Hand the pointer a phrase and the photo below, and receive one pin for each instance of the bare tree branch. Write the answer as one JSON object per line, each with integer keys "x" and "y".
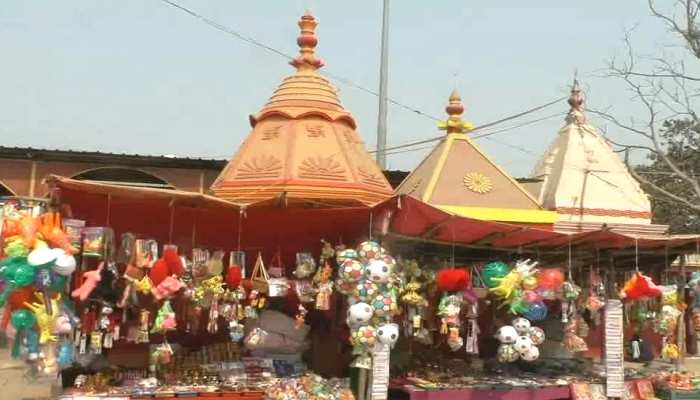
{"x": 660, "y": 190}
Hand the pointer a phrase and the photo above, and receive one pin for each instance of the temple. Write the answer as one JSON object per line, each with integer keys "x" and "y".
{"x": 304, "y": 145}
{"x": 458, "y": 177}
{"x": 586, "y": 183}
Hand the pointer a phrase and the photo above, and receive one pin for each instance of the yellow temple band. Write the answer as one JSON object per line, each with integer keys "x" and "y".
{"x": 504, "y": 214}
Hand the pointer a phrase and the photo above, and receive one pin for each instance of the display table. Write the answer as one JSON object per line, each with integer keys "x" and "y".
{"x": 542, "y": 393}
{"x": 248, "y": 395}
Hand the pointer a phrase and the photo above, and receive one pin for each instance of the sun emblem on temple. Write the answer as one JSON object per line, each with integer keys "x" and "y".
{"x": 477, "y": 182}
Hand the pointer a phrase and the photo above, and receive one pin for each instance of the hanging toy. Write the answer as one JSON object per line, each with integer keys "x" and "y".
{"x": 388, "y": 334}
{"x": 493, "y": 271}
{"x": 300, "y": 318}
{"x": 168, "y": 287}
{"x": 550, "y": 278}
{"x": 327, "y": 252}
{"x": 506, "y": 285}
{"x": 22, "y": 321}
{"x": 213, "y": 323}
{"x": 45, "y": 320}
{"x": 536, "y": 311}
{"x": 66, "y": 354}
{"x": 325, "y": 288}
{"x": 236, "y": 331}
{"x": 341, "y": 255}
{"x": 18, "y": 274}
{"x": 142, "y": 332}
{"x": 90, "y": 281}
{"x": 518, "y": 342}
{"x": 411, "y": 295}
{"x": 369, "y": 251}
{"x": 359, "y": 314}
{"x": 165, "y": 319}
{"x": 448, "y": 310}
{"x": 363, "y": 338}
{"x": 50, "y": 228}
{"x": 471, "y": 340}
{"x": 65, "y": 263}
{"x": 234, "y": 274}
{"x": 453, "y": 280}
{"x": 572, "y": 341}
{"x": 43, "y": 283}
{"x": 639, "y": 286}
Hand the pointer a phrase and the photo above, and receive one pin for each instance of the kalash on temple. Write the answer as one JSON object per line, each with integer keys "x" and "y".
{"x": 305, "y": 277}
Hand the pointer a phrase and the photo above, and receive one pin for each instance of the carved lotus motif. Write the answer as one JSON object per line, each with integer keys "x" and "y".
{"x": 371, "y": 178}
{"x": 322, "y": 168}
{"x": 258, "y": 167}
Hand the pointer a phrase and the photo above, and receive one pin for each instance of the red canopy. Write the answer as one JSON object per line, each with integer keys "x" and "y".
{"x": 410, "y": 218}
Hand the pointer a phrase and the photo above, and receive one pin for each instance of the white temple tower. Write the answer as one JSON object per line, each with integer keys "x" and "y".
{"x": 587, "y": 183}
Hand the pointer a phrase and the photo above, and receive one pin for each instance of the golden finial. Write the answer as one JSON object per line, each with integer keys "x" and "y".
{"x": 307, "y": 61}
{"x": 454, "y": 122}
{"x": 576, "y": 101}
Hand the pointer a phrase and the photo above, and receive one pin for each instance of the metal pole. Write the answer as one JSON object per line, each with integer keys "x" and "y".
{"x": 383, "y": 80}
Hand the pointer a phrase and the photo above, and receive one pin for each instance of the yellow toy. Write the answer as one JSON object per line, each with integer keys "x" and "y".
{"x": 143, "y": 285}
{"x": 45, "y": 320}
{"x": 507, "y": 284}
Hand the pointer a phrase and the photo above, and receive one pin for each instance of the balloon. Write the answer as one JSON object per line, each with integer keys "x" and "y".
{"x": 530, "y": 282}
{"x": 24, "y": 275}
{"x": 9, "y": 266}
{"x": 22, "y": 319}
{"x": 530, "y": 296}
{"x": 496, "y": 269}
{"x": 536, "y": 312}
{"x": 550, "y": 278}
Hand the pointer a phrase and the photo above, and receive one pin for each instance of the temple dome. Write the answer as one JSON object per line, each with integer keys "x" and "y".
{"x": 303, "y": 145}
{"x": 585, "y": 181}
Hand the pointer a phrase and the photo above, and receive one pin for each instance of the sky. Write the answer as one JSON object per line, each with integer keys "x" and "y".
{"x": 140, "y": 76}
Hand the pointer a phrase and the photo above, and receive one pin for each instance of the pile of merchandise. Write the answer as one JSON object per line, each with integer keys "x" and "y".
{"x": 309, "y": 387}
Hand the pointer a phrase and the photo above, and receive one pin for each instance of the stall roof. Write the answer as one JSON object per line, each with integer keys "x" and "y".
{"x": 414, "y": 220}
{"x": 182, "y": 198}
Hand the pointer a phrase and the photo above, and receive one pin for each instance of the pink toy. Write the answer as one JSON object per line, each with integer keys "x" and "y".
{"x": 167, "y": 287}
{"x": 169, "y": 323}
{"x": 90, "y": 280}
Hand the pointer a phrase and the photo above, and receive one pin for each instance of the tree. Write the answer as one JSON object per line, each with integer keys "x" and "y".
{"x": 670, "y": 125}
{"x": 681, "y": 140}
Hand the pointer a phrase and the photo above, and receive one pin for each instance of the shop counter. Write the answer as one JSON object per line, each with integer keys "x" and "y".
{"x": 541, "y": 393}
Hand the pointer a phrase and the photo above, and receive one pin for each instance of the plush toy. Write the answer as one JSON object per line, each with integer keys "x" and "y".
{"x": 168, "y": 287}
{"x": 448, "y": 311}
{"x": 572, "y": 341}
{"x": 639, "y": 286}
{"x": 453, "y": 279}
{"x": 90, "y": 281}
